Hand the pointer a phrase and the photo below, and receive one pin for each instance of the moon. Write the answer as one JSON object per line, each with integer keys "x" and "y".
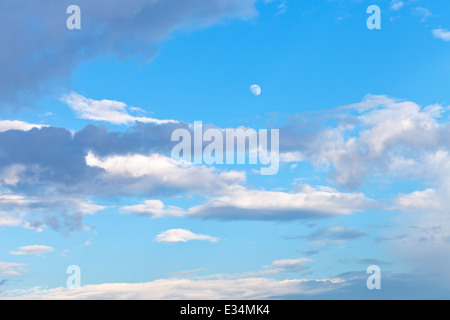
{"x": 255, "y": 89}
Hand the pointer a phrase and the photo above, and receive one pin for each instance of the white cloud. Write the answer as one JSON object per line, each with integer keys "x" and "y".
{"x": 106, "y": 110}
{"x": 6, "y": 125}
{"x": 289, "y": 263}
{"x": 308, "y": 202}
{"x": 8, "y": 269}
{"x": 182, "y": 235}
{"x": 13, "y": 220}
{"x": 32, "y": 250}
{"x": 184, "y": 289}
{"x": 441, "y": 34}
{"x": 424, "y": 226}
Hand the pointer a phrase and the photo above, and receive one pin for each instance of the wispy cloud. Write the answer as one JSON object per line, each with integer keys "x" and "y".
{"x": 369, "y": 141}
{"x": 33, "y": 250}
{"x": 156, "y": 171}
{"x": 332, "y": 235}
{"x": 241, "y": 203}
{"x": 115, "y": 112}
{"x": 423, "y": 13}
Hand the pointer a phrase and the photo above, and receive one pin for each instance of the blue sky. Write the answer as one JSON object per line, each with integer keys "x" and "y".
{"x": 86, "y": 176}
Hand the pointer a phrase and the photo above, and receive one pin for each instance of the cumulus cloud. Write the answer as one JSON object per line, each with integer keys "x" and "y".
{"x": 333, "y": 235}
{"x": 379, "y": 135}
{"x": 33, "y": 250}
{"x": 350, "y": 285}
{"x": 115, "y": 112}
{"x": 306, "y": 203}
{"x": 395, "y": 140}
{"x": 182, "y": 235}
{"x": 291, "y": 157}
{"x": 41, "y": 49}
{"x": 156, "y": 171}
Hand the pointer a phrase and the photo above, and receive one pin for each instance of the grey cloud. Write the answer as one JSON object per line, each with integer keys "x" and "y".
{"x": 382, "y": 239}
{"x": 333, "y": 234}
{"x": 309, "y": 253}
{"x": 38, "y": 49}
{"x": 367, "y": 262}
{"x": 241, "y": 203}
